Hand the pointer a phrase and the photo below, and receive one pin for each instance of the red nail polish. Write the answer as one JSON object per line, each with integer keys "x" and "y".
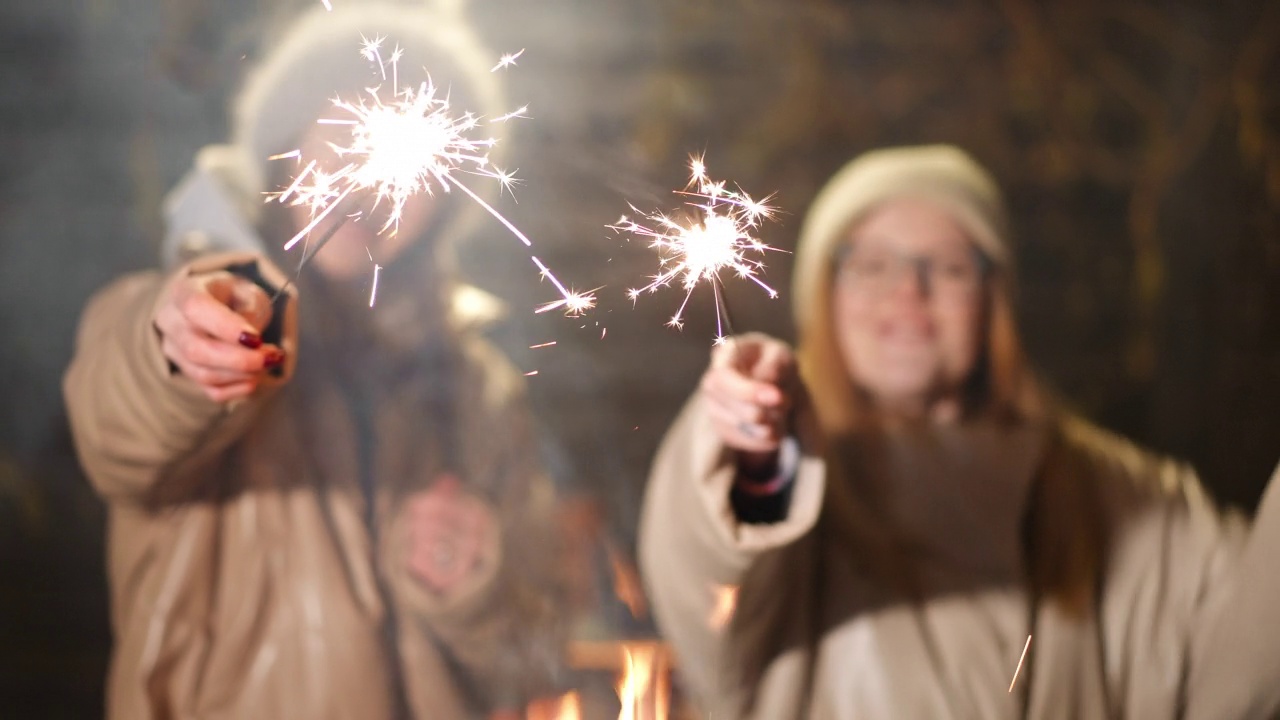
{"x": 274, "y": 358}
{"x": 250, "y": 340}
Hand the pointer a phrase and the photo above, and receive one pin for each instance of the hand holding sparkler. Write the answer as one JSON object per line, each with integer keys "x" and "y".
{"x": 748, "y": 391}
{"x": 210, "y": 326}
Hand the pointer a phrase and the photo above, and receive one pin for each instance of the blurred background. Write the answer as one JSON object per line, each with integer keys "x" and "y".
{"x": 1138, "y": 142}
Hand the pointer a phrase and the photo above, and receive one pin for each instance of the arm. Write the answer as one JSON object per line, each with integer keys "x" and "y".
{"x": 1169, "y": 555}
{"x": 132, "y": 416}
{"x": 1235, "y": 655}
{"x": 694, "y": 548}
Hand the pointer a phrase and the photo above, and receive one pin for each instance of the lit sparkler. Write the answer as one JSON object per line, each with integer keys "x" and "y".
{"x": 403, "y": 144}
{"x": 718, "y": 237}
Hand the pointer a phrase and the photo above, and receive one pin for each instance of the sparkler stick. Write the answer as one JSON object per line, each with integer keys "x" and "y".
{"x": 408, "y": 143}
{"x": 719, "y": 237}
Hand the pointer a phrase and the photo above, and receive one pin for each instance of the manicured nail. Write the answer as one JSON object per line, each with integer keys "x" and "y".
{"x": 253, "y": 341}
{"x": 274, "y": 358}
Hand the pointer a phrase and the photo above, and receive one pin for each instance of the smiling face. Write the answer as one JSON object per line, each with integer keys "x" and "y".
{"x": 908, "y": 308}
{"x": 347, "y": 255}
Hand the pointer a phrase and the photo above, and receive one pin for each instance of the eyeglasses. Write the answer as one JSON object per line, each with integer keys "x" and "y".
{"x": 878, "y": 271}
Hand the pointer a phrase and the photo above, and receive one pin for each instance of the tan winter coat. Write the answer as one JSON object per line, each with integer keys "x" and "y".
{"x": 245, "y": 581}
{"x": 906, "y": 585}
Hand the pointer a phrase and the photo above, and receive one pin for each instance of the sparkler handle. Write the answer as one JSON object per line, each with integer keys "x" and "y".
{"x": 723, "y": 316}
{"x": 319, "y": 245}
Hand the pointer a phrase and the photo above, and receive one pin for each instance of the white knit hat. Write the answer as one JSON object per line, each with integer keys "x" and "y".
{"x": 319, "y": 58}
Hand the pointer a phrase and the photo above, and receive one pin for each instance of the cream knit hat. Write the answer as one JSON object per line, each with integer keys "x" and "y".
{"x": 319, "y": 58}
{"x": 941, "y": 174}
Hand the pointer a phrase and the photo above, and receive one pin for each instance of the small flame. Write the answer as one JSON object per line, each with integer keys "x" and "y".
{"x": 642, "y": 687}
{"x": 565, "y": 707}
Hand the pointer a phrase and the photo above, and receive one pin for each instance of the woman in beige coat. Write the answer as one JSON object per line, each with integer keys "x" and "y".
{"x": 318, "y": 509}
{"x": 911, "y": 529}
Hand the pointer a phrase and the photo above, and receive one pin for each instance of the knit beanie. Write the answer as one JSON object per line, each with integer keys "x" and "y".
{"x": 940, "y": 174}
{"x": 318, "y": 58}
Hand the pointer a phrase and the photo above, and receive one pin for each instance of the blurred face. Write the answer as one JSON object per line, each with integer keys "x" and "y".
{"x": 908, "y": 307}
{"x": 347, "y": 254}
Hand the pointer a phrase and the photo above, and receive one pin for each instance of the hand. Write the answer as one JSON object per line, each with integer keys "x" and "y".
{"x": 748, "y": 391}
{"x": 210, "y": 327}
{"x": 448, "y": 531}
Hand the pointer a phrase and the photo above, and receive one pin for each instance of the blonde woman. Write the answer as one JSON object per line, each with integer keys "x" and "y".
{"x": 902, "y": 511}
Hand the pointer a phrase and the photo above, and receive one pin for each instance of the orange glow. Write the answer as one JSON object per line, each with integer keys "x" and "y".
{"x": 726, "y": 601}
{"x": 626, "y": 582}
{"x": 565, "y": 707}
{"x": 643, "y": 686}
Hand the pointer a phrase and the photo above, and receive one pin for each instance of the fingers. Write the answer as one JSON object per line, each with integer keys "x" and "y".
{"x": 207, "y": 304}
{"x": 746, "y": 392}
{"x": 747, "y": 432}
{"x": 209, "y": 328}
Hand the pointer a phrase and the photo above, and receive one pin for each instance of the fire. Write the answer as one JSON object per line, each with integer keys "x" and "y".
{"x": 565, "y": 707}
{"x": 643, "y": 686}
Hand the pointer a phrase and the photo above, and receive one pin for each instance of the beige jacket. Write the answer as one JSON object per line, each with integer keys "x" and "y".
{"x": 905, "y": 585}
{"x": 245, "y": 581}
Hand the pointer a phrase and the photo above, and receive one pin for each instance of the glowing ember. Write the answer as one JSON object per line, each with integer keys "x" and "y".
{"x": 403, "y": 143}
{"x": 719, "y": 236}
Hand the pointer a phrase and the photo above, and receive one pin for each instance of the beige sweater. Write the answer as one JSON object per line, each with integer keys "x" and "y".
{"x": 904, "y": 582}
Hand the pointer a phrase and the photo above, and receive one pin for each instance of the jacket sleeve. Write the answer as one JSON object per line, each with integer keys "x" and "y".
{"x": 1235, "y": 655}
{"x": 503, "y": 627}
{"x": 1169, "y": 581}
{"x": 694, "y": 552}
{"x": 131, "y": 417}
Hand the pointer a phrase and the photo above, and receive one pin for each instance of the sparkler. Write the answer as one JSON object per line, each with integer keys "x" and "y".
{"x": 719, "y": 237}
{"x": 404, "y": 143}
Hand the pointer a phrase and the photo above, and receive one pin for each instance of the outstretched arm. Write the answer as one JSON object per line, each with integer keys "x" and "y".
{"x": 157, "y": 362}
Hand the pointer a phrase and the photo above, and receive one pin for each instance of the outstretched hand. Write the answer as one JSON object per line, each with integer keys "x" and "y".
{"x": 210, "y": 327}
{"x": 748, "y": 391}
{"x": 449, "y": 529}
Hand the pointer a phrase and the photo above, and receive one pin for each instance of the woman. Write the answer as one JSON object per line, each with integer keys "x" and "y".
{"x": 318, "y": 509}
{"x": 902, "y": 512}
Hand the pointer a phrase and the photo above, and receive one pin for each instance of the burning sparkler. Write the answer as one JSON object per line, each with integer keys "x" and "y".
{"x": 719, "y": 236}
{"x": 406, "y": 143}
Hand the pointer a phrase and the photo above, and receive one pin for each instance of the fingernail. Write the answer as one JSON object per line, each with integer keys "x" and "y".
{"x": 253, "y": 341}
{"x": 274, "y": 358}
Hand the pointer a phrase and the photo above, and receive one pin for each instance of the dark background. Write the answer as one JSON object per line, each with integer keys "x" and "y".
{"x": 1139, "y": 143}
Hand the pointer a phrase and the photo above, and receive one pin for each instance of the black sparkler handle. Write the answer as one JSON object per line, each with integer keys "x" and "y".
{"x": 342, "y": 211}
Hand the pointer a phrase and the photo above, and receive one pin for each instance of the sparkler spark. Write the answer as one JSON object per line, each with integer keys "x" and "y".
{"x": 507, "y": 60}
{"x": 717, "y": 237}
{"x": 403, "y": 143}
{"x": 1020, "y": 661}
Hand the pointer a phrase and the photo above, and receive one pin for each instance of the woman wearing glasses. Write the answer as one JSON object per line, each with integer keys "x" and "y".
{"x": 907, "y": 521}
